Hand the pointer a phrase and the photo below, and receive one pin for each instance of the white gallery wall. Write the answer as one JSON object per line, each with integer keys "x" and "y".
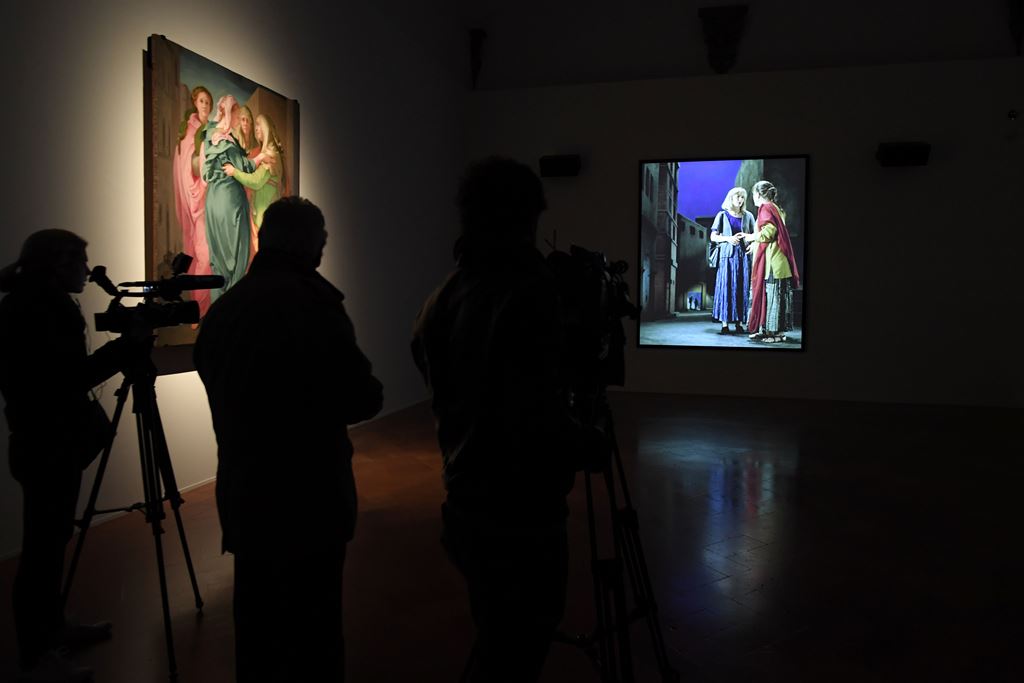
{"x": 910, "y": 272}
{"x": 380, "y": 94}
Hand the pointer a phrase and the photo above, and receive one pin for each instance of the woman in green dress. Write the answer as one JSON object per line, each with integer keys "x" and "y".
{"x": 227, "y": 208}
{"x": 266, "y": 183}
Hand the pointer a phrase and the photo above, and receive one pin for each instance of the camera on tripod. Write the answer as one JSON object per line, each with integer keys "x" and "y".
{"x": 161, "y": 306}
{"x": 595, "y": 300}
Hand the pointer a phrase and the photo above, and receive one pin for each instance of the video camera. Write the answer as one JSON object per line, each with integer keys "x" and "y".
{"x": 595, "y": 300}
{"x": 161, "y": 306}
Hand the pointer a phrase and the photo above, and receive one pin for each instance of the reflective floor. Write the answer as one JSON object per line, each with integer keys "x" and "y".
{"x": 786, "y": 541}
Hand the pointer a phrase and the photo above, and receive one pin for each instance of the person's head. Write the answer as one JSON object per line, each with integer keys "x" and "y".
{"x": 763, "y": 191}
{"x": 735, "y": 200}
{"x": 202, "y": 100}
{"x": 266, "y": 133}
{"x": 294, "y": 226}
{"x": 499, "y": 202}
{"x": 245, "y": 125}
{"x": 227, "y": 113}
{"x": 55, "y": 256}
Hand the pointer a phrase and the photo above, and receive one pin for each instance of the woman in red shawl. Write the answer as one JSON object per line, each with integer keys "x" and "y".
{"x": 775, "y": 273}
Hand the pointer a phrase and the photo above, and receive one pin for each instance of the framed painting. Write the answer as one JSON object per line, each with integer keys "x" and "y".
{"x": 219, "y": 149}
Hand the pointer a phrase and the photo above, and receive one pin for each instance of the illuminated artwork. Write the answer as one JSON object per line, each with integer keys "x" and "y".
{"x": 722, "y": 252}
{"x": 219, "y": 149}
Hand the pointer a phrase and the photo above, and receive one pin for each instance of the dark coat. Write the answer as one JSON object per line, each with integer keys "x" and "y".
{"x": 489, "y": 343}
{"x": 46, "y": 373}
{"x": 284, "y": 376}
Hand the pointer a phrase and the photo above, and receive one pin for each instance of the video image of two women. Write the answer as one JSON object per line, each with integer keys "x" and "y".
{"x": 722, "y": 252}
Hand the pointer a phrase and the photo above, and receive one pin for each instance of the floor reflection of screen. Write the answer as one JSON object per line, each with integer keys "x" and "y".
{"x": 722, "y": 252}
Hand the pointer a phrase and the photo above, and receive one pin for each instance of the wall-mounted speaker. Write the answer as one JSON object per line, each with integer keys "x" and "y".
{"x": 560, "y": 165}
{"x": 903, "y": 153}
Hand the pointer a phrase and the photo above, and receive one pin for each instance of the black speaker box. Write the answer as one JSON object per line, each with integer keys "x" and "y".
{"x": 903, "y": 153}
{"x": 560, "y": 165}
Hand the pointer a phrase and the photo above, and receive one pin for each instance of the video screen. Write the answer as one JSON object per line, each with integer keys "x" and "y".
{"x": 722, "y": 252}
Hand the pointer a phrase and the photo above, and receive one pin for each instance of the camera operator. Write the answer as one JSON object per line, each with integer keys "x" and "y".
{"x": 489, "y": 344}
{"x": 284, "y": 376}
{"x": 46, "y": 374}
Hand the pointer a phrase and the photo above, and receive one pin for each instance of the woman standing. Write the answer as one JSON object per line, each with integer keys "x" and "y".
{"x": 267, "y": 182}
{"x": 775, "y": 272}
{"x": 732, "y": 283}
{"x": 46, "y": 373}
{"x": 190, "y": 190}
{"x": 227, "y": 209}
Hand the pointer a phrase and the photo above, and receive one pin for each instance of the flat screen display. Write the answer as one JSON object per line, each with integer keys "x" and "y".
{"x": 722, "y": 246}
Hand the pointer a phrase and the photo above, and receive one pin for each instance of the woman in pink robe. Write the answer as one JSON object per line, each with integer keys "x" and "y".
{"x": 190, "y": 190}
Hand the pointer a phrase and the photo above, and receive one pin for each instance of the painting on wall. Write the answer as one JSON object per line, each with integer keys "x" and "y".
{"x": 219, "y": 149}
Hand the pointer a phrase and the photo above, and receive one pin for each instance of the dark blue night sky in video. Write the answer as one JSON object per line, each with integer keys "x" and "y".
{"x": 704, "y": 184}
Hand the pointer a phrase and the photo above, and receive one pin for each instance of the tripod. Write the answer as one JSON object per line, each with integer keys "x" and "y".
{"x": 608, "y": 645}
{"x": 158, "y": 485}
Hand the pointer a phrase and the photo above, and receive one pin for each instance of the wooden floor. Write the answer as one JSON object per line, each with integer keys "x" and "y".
{"x": 787, "y": 541}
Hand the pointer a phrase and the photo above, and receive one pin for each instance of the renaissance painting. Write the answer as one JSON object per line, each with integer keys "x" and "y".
{"x": 220, "y": 149}
{"x": 722, "y": 252}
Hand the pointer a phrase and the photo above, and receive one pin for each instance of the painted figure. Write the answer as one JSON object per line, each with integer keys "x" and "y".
{"x": 245, "y": 132}
{"x": 732, "y": 283}
{"x": 775, "y": 273}
{"x": 266, "y": 184}
{"x": 227, "y": 208}
{"x": 190, "y": 189}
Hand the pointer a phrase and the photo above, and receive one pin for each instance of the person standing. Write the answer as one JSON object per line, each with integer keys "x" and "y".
{"x": 46, "y": 374}
{"x": 489, "y": 343}
{"x": 284, "y": 376}
{"x": 775, "y": 273}
{"x": 190, "y": 190}
{"x": 732, "y": 281}
{"x": 227, "y": 207}
{"x": 265, "y": 185}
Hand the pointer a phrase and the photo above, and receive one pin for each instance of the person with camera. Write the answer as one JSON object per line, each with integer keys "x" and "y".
{"x": 46, "y": 374}
{"x": 489, "y": 343}
{"x": 284, "y": 377}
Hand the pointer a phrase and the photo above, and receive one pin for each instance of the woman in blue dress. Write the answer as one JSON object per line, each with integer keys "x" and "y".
{"x": 732, "y": 283}
{"x": 227, "y": 208}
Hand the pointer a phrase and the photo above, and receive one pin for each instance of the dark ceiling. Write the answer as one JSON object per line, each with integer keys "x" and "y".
{"x": 550, "y": 42}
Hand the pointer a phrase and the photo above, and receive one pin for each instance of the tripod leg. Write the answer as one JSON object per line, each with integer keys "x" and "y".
{"x": 603, "y": 610}
{"x": 172, "y": 664}
{"x": 621, "y": 620}
{"x": 90, "y": 507}
{"x": 636, "y": 564}
{"x": 154, "y": 505}
{"x": 163, "y": 460}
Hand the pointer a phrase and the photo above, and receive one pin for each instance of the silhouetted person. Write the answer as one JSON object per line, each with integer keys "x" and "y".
{"x": 278, "y": 356}
{"x": 489, "y": 343}
{"x": 46, "y": 374}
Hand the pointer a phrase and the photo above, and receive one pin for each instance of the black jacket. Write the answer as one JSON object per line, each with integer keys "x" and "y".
{"x": 46, "y": 373}
{"x": 284, "y": 376}
{"x": 489, "y": 343}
